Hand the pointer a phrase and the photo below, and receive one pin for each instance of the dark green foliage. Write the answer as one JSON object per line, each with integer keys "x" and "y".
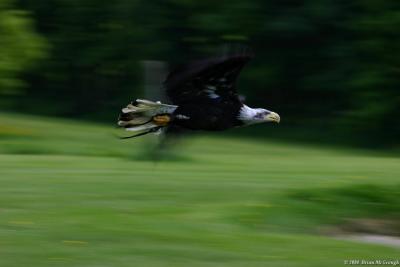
{"x": 327, "y": 66}
{"x": 20, "y": 47}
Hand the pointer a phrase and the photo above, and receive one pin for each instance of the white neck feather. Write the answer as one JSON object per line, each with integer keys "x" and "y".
{"x": 246, "y": 115}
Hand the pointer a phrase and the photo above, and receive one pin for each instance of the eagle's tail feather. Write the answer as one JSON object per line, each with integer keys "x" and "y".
{"x": 144, "y": 116}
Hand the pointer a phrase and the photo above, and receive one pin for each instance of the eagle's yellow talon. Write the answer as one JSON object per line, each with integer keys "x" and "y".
{"x": 161, "y": 120}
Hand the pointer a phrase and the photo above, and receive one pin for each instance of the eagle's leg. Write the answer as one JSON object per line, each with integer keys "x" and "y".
{"x": 162, "y": 120}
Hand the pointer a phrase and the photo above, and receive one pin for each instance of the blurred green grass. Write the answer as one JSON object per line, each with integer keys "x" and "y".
{"x": 72, "y": 194}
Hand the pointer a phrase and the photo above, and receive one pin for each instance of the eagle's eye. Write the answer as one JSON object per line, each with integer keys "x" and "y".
{"x": 260, "y": 115}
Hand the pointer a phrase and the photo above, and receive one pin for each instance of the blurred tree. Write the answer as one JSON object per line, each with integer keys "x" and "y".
{"x": 328, "y": 66}
{"x": 20, "y": 46}
{"x": 373, "y": 94}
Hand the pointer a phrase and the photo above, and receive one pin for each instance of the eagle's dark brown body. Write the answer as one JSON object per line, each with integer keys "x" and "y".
{"x": 203, "y": 97}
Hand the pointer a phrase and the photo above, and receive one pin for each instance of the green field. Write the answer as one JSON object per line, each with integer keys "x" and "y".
{"x": 71, "y": 194}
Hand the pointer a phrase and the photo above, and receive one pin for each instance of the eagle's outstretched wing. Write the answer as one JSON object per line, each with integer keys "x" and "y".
{"x": 211, "y": 79}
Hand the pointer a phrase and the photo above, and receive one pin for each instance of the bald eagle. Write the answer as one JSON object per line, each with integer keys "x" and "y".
{"x": 203, "y": 96}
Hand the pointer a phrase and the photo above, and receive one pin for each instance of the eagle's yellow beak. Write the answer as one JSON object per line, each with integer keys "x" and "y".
{"x": 274, "y": 117}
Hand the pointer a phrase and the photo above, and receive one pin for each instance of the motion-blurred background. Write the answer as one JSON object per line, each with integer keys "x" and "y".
{"x": 73, "y": 195}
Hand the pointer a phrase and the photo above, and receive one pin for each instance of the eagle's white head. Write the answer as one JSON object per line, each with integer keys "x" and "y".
{"x": 250, "y": 115}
